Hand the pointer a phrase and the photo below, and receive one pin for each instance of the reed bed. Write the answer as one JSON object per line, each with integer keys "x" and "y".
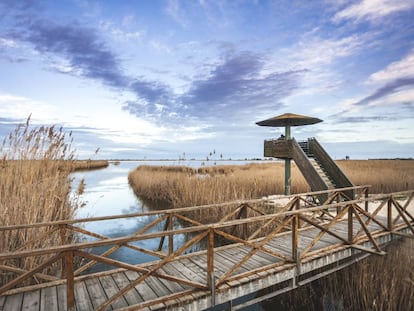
{"x": 87, "y": 165}
{"x": 380, "y": 283}
{"x": 185, "y": 186}
{"x": 179, "y": 186}
{"x": 384, "y": 176}
{"x": 35, "y": 187}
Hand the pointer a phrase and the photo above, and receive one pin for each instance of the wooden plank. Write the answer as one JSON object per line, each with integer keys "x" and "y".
{"x": 188, "y": 272}
{"x": 258, "y": 260}
{"x": 96, "y": 293}
{"x": 253, "y": 262}
{"x": 49, "y": 299}
{"x": 228, "y": 261}
{"x": 61, "y": 297}
{"x": 159, "y": 288}
{"x": 111, "y": 289}
{"x": 200, "y": 271}
{"x": 82, "y": 300}
{"x": 13, "y": 302}
{"x": 143, "y": 289}
{"x": 132, "y": 297}
{"x": 31, "y": 300}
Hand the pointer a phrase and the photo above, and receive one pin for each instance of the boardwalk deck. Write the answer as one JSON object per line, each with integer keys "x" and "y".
{"x": 158, "y": 293}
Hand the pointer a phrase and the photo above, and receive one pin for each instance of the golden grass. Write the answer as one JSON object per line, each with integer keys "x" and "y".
{"x": 384, "y": 176}
{"x": 185, "y": 186}
{"x": 35, "y": 187}
{"x": 383, "y": 283}
{"x": 86, "y": 165}
{"x": 179, "y": 186}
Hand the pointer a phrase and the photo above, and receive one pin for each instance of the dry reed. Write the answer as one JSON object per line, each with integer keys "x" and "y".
{"x": 383, "y": 283}
{"x": 178, "y": 186}
{"x": 35, "y": 187}
{"x": 184, "y": 186}
{"x": 86, "y": 165}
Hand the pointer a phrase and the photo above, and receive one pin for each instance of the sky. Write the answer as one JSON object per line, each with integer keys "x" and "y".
{"x": 186, "y": 78}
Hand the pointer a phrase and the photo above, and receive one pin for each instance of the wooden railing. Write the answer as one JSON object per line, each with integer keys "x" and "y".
{"x": 299, "y": 213}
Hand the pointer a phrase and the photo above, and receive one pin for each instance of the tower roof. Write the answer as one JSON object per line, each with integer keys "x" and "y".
{"x": 289, "y": 119}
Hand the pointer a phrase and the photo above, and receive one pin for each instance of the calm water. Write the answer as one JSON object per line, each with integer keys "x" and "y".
{"x": 107, "y": 193}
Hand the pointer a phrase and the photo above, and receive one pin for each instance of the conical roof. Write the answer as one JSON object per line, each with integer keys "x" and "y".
{"x": 289, "y": 119}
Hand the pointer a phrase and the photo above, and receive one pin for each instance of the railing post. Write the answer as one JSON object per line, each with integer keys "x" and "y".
{"x": 210, "y": 266}
{"x": 295, "y": 251}
{"x": 389, "y": 214}
{"x": 70, "y": 283}
{"x": 366, "y": 197}
{"x": 170, "y": 236}
{"x": 350, "y": 225}
{"x": 244, "y": 226}
{"x": 63, "y": 240}
{"x": 295, "y": 232}
{"x": 297, "y": 207}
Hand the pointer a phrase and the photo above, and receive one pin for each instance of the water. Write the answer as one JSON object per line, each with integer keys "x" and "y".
{"x": 107, "y": 193}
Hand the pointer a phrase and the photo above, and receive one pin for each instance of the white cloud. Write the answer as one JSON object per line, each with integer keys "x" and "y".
{"x": 317, "y": 51}
{"x": 373, "y": 9}
{"x": 404, "y": 95}
{"x": 19, "y": 107}
{"x": 160, "y": 47}
{"x": 8, "y": 43}
{"x": 174, "y": 10}
{"x": 400, "y": 69}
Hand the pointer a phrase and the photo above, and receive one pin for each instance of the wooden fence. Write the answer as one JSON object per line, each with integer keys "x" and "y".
{"x": 62, "y": 263}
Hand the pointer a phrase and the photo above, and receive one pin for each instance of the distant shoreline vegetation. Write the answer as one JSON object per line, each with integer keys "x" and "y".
{"x": 178, "y": 185}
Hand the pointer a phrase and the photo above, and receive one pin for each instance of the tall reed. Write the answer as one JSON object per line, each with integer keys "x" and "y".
{"x": 184, "y": 186}
{"x": 382, "y": 283}
{"x": 35, "y": 187}
{"x": 178, "y": 186}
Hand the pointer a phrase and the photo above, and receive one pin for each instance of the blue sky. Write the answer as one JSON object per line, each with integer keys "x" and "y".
{"x": 163, "y": 78}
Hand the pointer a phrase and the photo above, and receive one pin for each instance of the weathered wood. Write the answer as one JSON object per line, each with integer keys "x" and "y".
{"x": 70, "y": 283}
{"x": 49, "y": 299}
{"x": 132, "y": 297}
{"x": 31, "y": 301}
{"x": 96, "y": 293}
{"x": 330, "y": 167}
{"x": 110, "y": 289}
{"x": 62, "y": 297}
{"x": 28, "y": 274}
{"x": 278, "y": 148}
{"x": 180, "y": 279}
{"x": 13, "y": 302}
{"x": 82, "y": 301}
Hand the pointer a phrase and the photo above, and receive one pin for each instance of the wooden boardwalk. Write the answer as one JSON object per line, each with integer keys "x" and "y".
{"x": 308, "y": 243}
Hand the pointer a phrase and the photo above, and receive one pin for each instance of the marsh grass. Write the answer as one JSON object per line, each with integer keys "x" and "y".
{"x": 87, "y": 165}
{"x": 379, "y": 283}
{"x": 179, "y": 186}
{"x": 184, "y": 186}
{"x": 35, "y": 187}
{"x": 384, "y": 176}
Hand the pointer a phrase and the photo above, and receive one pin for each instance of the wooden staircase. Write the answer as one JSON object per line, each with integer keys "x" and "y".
{"x": 315, "y": 164}
{"x": 330, "y": 175}
{"x": 327, "y": 180}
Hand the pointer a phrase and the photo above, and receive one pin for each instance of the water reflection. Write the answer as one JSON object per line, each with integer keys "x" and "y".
{"x": 107, "y": 193}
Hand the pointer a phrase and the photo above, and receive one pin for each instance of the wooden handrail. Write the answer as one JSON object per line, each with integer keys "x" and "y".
{"x": 293, "y": 218}
{"x": 167, "y": 211}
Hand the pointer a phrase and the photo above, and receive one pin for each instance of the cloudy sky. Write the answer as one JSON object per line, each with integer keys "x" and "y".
{"x": 163, "y": 78}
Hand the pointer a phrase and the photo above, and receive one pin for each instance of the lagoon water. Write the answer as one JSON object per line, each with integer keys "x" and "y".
{"x": 107, "y": 193}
